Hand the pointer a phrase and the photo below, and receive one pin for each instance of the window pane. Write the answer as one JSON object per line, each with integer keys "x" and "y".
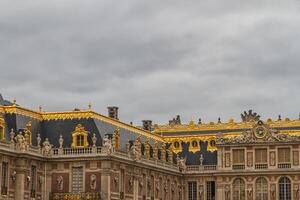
{"x": 261, "y": 189}
{"x": 261, "y": 155}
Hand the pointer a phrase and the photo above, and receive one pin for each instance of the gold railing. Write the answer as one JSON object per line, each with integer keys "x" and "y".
{"x": 76, "y": 196}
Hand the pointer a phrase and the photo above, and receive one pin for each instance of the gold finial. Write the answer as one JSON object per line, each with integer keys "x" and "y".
{"x": 40, "y": 108}
{"x": 90, "y": 106}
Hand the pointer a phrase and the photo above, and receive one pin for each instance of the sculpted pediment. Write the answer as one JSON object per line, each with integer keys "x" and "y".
{"x": 260, "y": 133}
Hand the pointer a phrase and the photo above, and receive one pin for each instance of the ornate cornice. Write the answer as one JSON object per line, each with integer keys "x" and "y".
{"x": 82, "y": 114}
{"x": 231, "y": 125}
{"x": 14, "y": 109}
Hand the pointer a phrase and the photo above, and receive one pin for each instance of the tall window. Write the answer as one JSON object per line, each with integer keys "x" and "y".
{"x": 4, "y": 181}
{"x": 284, "y": 155}
{"x": 210, "y": 190}
{"x": 238, "y": 157}
{"x": 33, "y": 181}
{"x": 77, "y": 179}
{"x": 239, "y": 189}
{"x": 285, "y": 189}
{"x": 261, "y": 185}
{"x": 80, "y": 140}
{"x": 261, "y": 156}
{"x": 192, "y": 187}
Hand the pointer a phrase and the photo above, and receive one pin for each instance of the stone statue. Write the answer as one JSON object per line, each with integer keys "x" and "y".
{"x": 93, "y": 181}
{"x": 107, "y": 145}
{"x": 227, "y": 192}
{"x": 296, "y": 191}
{"x": 273, "y": 191}
{"x": 182, "y": 164}
{"x": 60, "y": 183}
{"x": 61, "y": 141}
{"x": 134, "y": 152}
{"x": 21, "y": 143}
{"x": 94, "y": 140}
{"x": 12, "y": 136}
{"x": 47, "y": 147}
{"x": 249, "y": 192}
{"x": 38, "y": 140}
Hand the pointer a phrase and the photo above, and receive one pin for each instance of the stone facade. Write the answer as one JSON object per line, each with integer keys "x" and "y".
{"x": 99, "y": 157}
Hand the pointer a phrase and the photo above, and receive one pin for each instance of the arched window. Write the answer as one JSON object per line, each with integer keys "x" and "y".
{"x": 285, "y": 189}
{"x": 261, "y": 186}
{"x": 239, "y": 189}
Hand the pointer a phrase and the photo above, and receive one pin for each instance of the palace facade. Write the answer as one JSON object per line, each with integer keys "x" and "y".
{"x": 81, "y": 154}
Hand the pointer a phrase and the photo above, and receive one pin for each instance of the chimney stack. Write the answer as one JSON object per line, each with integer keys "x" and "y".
{"x": 147, "y": 125}
{"x": 113, "y": 112}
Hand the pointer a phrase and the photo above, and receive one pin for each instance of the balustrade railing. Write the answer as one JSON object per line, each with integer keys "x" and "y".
{"x": 284, "y": 165}
{"x": 238, "y": 167}
{"x": 199, "y": 168}
{"x": 76, "y": 196}
{"x": 261, "y": 166}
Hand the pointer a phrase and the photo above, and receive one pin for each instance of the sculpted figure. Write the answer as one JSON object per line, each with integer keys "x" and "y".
{"x": 296, "y": 191}
{"x": 273, "y": 191}
{"x": 21, "y": 144}
{"x": 249, "y": 192}
{"x": 60, "y": 183}
{"x": 93, "y": 181}
{"x": 227, "y": 192}
{"x": 107, "y": 145}
{"x": 135, "y": 152}
{"x": 182, "y": 164}
{"x": 47, "y": 147}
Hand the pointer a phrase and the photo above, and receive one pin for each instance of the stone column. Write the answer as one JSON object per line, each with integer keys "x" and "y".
{"x": 105, "y": 179}
{"x": 135, "y": 188}
{"x": 47, "y": 181}
{"x": 220, "y": 194}
{"x": 20, "y": 179}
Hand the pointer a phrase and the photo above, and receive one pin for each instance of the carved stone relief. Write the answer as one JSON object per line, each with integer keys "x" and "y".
{"x": 250, "y": 159}
{"x": 272, "y": 158}
{"x": 295, "y": 157}
{"x": 227, "y": 159}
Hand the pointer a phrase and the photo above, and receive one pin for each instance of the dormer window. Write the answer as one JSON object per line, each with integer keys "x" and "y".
{"x": 80, "y": 140}
{"x": 79, "y": 137}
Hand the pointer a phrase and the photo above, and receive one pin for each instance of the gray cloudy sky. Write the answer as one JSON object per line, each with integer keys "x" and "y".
{"x": 153, "y": 59}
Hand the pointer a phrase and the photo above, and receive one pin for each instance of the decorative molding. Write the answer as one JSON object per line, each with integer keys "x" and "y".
{"x": 81, "y": 114}
{"x": 259, "y": 133}
{"x": 79, "y": 132}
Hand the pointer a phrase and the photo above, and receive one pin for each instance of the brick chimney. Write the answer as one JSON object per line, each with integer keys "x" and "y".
{"x": 113, "y": 112}
{"x": 147, "y": 125}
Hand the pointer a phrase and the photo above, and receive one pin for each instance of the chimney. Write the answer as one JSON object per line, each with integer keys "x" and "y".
{"x": 147, "y": 125}
{"x": 113, "y": 112}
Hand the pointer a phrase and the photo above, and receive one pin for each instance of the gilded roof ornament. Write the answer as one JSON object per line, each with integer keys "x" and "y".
{"x": 249, "y": 116}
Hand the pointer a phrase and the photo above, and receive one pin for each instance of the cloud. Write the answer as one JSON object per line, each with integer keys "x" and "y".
{"x": 153, "y": 59}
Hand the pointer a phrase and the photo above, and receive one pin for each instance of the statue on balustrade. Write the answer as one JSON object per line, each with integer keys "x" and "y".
{"x": 47, "y": 147}
{"x": 181, "y": 163}
{"x": 20, "y": 142}
{"x": 107, "y": 145}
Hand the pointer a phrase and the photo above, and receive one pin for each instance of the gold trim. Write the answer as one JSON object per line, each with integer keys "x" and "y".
{"x": 2, "y": 129}
{"x": 79, "y": 131}
{"x": 83, "y": 114}
{"x": 231, "y": 125}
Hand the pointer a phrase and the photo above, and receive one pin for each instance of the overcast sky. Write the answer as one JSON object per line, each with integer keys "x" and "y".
{"x": 153, "y": 59}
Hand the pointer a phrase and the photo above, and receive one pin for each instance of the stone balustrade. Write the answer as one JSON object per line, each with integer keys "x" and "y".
{"x": 200, "y": 168}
